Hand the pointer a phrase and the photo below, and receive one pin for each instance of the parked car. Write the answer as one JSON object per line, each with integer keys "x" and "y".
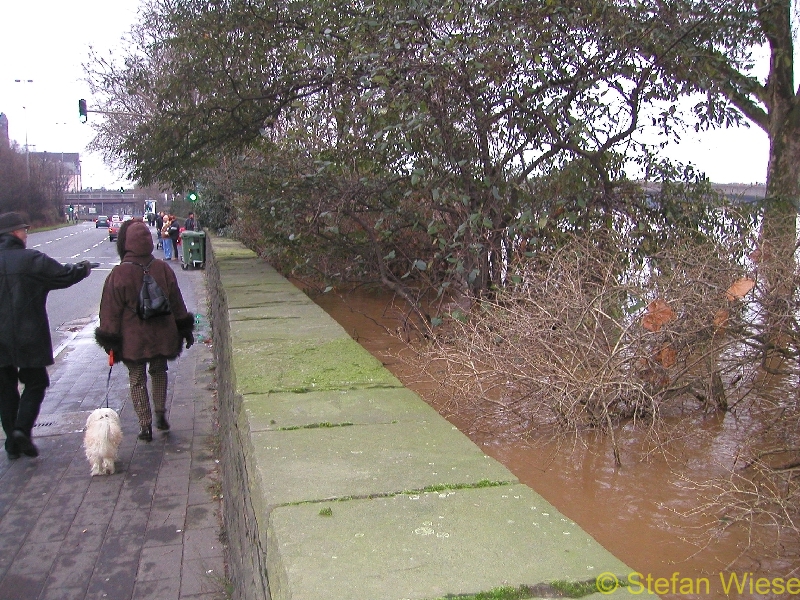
{"x": 113, "y": 230}
{"x": 101, "y": 221}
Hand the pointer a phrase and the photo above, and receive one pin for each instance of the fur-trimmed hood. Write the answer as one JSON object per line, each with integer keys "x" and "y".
{"x": 134, "y": 240}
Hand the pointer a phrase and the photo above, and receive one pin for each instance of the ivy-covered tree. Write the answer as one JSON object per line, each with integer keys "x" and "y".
{"x": 422, "y": 123}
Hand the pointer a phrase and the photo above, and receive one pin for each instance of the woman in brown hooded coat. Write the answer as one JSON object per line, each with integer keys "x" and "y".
{"x": 137, "y": 342}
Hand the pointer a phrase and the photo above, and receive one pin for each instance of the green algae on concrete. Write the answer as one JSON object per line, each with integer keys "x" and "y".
{"x": 360, "y": 406}
{"x": 280, "y": 327}
{"x": 424, "y": 546}
{"x": 237, "y": 275}
{"x": 287, "y": 366}
{"x": 226, "y": 249}
{"x": 259, "y": 292}
{"x": 308, "y": 465}
{"x": 259, "y": 298}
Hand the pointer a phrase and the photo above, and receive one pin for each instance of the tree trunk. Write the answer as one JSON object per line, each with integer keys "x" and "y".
{"x": 779, "y": 225}
{"x": 779, "y": 228}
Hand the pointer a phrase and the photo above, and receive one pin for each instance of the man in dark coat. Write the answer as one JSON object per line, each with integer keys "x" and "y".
{"x": 174, "y": 231}
{"x": 26, "y": 349}
{"x": 190, "y": 224}
{"x": 135, "y": 341}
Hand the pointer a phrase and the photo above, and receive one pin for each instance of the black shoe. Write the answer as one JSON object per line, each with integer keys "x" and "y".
{"x": 161, "y": 422}
{"x": 146, "y": 434}
{"x": 24, "y": 443}
{"x": 11, "y": 449}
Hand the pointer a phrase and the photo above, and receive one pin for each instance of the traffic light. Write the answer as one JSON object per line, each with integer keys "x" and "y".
{"x": 83, "y": 114}
{"x": 192, "y": 196}
{"x": 71, "y": 209}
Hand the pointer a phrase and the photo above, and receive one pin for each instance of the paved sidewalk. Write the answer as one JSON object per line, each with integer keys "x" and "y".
{"x": 150, "y": 531}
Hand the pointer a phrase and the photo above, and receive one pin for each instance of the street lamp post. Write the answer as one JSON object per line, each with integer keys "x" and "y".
{"x": 27, "y": 151}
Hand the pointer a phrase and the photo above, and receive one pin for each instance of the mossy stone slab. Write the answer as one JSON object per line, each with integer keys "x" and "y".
{"x": 360, "y": 406}
{"x": 257, "y": 298}
{"x": 305, "y": 465}
{"x": 282, "y": 310}
{"x": 283, "y": 365}
{"x": 429, "y": 545}
{"x": 226, "y": 249}
{"x": 315, "y": 328}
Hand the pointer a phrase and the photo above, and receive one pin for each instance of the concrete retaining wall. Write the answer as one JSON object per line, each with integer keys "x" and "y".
{"x": 340, "y": 483}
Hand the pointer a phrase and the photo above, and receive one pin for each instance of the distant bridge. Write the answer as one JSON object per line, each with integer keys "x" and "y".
{"x": 743, "y": 192}
{"x": 89, "y": 204}
{"x": 736, "y": 192}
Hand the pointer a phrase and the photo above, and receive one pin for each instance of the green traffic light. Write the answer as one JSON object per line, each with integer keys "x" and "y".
{"x": 191, "y": 196}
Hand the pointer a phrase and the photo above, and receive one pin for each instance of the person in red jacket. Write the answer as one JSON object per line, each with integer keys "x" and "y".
{"x": 26, "y": 348}
{"x": 143, "y": 345}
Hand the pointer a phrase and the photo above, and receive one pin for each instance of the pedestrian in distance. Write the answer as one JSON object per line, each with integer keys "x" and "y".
{"x": 143, "y": 345}
{"x": 158, "y": 223}
{"x": 190, "y": 224}
{"x": 26, "y": 348}
{"x": 166, "y": 243}
{"x": 174, "y": 232}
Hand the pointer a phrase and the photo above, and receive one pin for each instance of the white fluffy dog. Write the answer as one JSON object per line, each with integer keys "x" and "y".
{"x": 102, "y": 439}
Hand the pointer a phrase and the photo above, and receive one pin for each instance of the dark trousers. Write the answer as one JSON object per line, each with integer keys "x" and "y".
{"x": 20, "y": 411}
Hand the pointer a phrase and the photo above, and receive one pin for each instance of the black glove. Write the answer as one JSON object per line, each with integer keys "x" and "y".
{"x": 86, "y": 266}
{"x": 189, "y": 340}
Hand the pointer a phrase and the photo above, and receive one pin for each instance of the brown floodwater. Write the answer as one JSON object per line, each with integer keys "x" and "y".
{"x": 645, "y": 512}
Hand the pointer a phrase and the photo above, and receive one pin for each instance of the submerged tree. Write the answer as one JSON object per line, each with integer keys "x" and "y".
{"x": 711, "y": 48}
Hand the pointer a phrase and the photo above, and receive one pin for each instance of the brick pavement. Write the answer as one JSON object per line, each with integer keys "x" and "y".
{"x": 152, "y": 530}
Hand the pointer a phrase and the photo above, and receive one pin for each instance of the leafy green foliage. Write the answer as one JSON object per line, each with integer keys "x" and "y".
{"x": 420, "y": 144}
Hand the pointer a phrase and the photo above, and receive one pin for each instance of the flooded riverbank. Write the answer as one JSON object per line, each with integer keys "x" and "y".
{"x": 645, "y": 512}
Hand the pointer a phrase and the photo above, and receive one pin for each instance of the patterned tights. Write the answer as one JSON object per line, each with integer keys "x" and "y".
{"x": 138, "y": 384}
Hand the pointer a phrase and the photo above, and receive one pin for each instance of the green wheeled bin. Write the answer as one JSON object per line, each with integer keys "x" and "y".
{"x": 193, "y": 253}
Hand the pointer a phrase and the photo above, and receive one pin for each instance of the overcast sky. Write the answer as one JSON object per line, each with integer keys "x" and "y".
{"x": 46, "y": 41}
